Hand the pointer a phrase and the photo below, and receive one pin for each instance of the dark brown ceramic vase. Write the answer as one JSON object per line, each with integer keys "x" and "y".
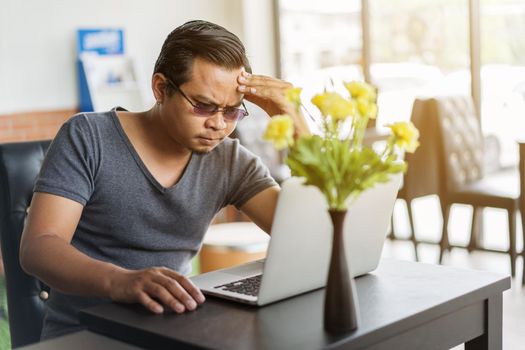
{"x": 341, "y": 311}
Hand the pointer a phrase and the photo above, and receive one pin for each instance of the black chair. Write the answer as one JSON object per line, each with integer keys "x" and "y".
{"x": 19, "y": 166}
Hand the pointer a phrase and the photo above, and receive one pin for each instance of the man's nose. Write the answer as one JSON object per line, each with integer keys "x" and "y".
{"x": 217, "y": 121}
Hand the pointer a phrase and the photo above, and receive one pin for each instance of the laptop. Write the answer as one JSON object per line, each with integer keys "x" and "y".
{"x": 300, "y": 246}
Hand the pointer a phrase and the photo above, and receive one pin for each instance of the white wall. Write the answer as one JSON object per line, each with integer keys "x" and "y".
{"x": 258, "y": 31}
{"x": 37, "y": 41}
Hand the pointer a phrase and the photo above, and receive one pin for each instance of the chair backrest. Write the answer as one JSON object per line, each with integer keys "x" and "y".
{"x": 423, "y": 175}
{"x": 462, "y": 140}
{"x": 19, "y": 167}
{"x": 451, "y": 153}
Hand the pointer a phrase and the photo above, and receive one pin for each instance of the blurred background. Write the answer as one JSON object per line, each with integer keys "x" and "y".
{"x": 406, "y": 48}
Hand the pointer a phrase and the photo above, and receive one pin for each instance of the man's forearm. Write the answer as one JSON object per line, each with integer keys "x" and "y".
{"x": 64, "y": 268}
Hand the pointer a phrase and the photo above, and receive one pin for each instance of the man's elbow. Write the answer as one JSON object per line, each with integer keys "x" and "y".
{"x": 27, "y": 256}
{"x": 24, "y": 259}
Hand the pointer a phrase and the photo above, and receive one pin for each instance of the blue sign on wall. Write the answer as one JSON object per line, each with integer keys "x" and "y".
{"x": 102, "y": 41}
{"x": 108, "y": 41}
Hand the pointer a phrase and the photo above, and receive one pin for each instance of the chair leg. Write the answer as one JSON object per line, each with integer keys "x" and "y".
{"x": 480, "y": 232}
{"x": 522, "y": 217}
{"x": 392, "y": 234}
{"x": 512, "y": 241}
{"x": 444, "y": 243}
{"x": 412, "y": 228}
{"x": 477, "y": 216}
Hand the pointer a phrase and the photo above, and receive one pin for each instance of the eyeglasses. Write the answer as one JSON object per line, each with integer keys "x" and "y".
{"x": 231, "y": 114}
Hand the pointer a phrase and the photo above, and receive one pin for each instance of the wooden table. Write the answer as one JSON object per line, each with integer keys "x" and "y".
{"x": 403, "y": 305}
{"x": 83, "y": 340}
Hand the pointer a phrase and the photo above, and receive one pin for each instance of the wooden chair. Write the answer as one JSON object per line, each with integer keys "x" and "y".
{"x": 522, "y": 203}
{"x": 464, "y": 178}
{"x": 423, "y": 175}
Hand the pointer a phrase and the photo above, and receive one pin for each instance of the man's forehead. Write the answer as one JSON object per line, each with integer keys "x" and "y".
{"x": 204, "y": 71}
{"x": 212, "y": 83}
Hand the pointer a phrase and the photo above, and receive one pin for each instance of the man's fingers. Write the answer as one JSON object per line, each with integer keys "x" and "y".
{"x": 247, "y": 90}
{"x": 163, "y": 295}
{"x": 149, "y": 303}
{"x": 257, "y": 80}
{"x": 188, "y": 286}
{"x": 158, "y": 287}
{"x": 195, "y": 292}
{"x": 265, "y": 92}
{"x": 176, "y": 290}
{"x": 266, "y": 88}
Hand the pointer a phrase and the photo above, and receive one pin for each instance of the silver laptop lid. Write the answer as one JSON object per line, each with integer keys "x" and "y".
{"x": 299, "y": 251}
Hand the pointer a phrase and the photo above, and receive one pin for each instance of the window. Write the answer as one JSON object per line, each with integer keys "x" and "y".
{"x": 417, "y": 48}
{"x": 503, "y": 72}
{"x": 321, "y": 43}
{"x": 413, "y": 48}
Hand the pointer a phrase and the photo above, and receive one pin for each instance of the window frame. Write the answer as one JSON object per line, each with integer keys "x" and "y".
{"x": 474, "y": 16}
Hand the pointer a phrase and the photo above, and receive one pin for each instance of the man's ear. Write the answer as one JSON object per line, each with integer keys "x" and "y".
{"x": 158, "y": 86}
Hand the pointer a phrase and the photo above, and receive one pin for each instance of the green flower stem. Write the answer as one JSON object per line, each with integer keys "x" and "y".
{"x": 355, "y": 130}
{"x": 307, "y": 112}
{"x": 389, "y": 149}
{"x": 359, "y": 133}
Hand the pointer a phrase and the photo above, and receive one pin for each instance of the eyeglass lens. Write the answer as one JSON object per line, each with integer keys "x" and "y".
{"x": 232, "y": 114}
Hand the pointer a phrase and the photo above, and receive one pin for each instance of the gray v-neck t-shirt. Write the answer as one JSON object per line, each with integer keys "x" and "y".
{"x": 129, "y": 218}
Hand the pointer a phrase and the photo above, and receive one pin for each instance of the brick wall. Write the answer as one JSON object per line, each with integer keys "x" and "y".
{"x": 30, "y": 126}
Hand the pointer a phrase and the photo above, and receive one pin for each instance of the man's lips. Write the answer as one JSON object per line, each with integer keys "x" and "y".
{"x": 209, "y": 140}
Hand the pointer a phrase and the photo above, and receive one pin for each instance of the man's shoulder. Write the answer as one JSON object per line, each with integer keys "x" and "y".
{"x": 90, "y": 124}
{"x": 92, "y": 118}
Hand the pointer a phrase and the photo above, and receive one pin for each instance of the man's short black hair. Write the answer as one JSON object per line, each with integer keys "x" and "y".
{"x": 199, "y": 39}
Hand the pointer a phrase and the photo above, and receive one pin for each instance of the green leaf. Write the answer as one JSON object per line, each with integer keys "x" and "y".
{"x": 338, "y": 170}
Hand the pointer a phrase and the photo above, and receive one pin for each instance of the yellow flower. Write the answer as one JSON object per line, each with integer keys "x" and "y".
{"x": 334, "y": 105}
{"x": 405, "y": 135}
{"x": 358, "y": 89}
{"x": 280, "y": 131}
{"x": 366, "y": 107}
{"x": 336, "y": 161}
{"x": 293, "y": 95}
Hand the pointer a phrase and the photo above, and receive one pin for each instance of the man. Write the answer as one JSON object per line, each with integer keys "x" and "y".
{"x": 123, "y": 199}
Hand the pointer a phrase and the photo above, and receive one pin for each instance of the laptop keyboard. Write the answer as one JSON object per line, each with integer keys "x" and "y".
{"x": 247, "y": 286}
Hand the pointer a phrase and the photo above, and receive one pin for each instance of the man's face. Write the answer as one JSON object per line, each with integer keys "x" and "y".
{"x": 209, "y": 85}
